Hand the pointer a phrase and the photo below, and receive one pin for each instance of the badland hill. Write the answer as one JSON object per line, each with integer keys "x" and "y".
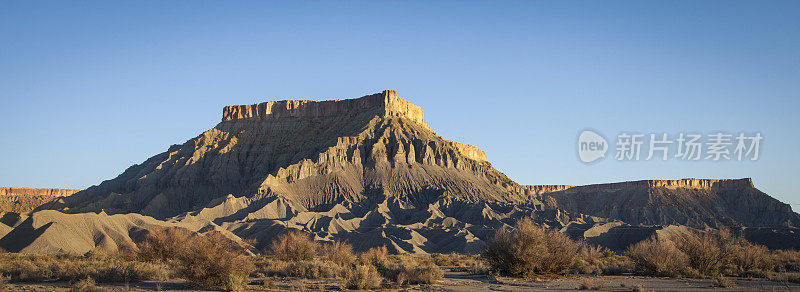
{"x": 370, "y": 171}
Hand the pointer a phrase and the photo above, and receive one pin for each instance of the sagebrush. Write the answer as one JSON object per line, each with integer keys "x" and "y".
{"x": 529, "y": 250}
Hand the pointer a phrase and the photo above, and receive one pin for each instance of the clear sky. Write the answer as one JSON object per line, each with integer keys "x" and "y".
{"x": 90, "y": 88}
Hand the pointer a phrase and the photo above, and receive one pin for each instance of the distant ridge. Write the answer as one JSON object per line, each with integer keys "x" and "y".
{"x": 23, "y": 200}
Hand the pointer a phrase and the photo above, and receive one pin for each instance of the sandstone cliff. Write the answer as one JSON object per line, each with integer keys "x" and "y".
{"x": 23, "y": 200}
{"x": 384, "y": 104}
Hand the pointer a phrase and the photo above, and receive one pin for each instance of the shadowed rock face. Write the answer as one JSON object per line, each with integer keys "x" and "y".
{"x": 370, "y": 171}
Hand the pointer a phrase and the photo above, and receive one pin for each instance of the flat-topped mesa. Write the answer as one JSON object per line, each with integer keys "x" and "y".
{"x": 385, "y": 103}
{"x": 686, "y": 183}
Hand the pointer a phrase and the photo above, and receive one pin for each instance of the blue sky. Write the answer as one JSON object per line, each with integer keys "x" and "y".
{"x": 90, "y": 88}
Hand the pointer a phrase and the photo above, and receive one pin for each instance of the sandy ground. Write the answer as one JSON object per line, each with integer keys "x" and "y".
{"x": 458, "y": 281}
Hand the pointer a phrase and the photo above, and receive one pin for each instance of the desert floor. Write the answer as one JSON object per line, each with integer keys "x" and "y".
{"x": 459, "y": 281}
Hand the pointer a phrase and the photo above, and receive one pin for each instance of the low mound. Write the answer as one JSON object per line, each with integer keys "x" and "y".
{"x": 53, "y": 232}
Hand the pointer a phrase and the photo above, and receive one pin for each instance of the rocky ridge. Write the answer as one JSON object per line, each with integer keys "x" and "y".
{"x": 697, "y": 203}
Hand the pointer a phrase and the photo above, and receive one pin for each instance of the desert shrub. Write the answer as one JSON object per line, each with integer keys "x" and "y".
{"x": 209, "y": 261}
{"x": 163, "y": 244}
{"x": 362, "y": 277}
{"x": 705, "y": 251}
{"x": 705, "y": 254}
{"x": 373, "y": 256}
{"x": 338, "y": 252}
{"x": 293, "y": 246}
{"x": 86, "y": 285}
{"x": 530, "y": 250}
{"x": 658, "y": 258}
{"x": 742, "y": 256}
{"x": 721, "y": 252}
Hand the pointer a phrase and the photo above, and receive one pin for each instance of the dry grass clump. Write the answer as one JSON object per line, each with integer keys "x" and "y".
{"x": 332, "y": 262}
{"x": 723, "y": 282}
{"x": 601, "y": 261}
{"x": 86, "y": 285}
{"x": 338, "y": 252}
{"x": 471, "y": 264}
{"x": 784, "y": 277}
{"x": 461, "y": 263}
{"x": 270, "y": 267}
{"x": 4, "y": 282}
{"x": 209, "y": 261}
{"x": 34, "y": 268}
{"x": 293, "y": 246}
{"x": 362, "y": 277}
{"x": 407, "y": 269}
{"x": 446, "y": 260}
{"x": 419, "y": 274}
{"x": 366, "y": 271}
{"x": 786, "y": 260}
{"x": 530, "y": 250}
{"x": 314, "y": 269}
